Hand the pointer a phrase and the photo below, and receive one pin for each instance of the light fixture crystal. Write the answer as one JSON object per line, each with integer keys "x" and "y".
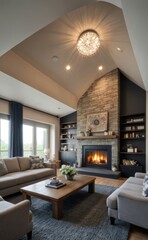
{"x": 88, "y": 42}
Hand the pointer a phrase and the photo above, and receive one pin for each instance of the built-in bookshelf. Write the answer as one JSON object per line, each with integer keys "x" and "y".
{"x": 132, "y": 144}
{"x": 68, "y": 140}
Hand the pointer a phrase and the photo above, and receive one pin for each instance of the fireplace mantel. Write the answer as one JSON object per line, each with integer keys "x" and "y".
{"x": 97, "y": 137}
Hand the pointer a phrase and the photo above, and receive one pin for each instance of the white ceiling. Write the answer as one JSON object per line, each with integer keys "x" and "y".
{"x": 29, "y": 74}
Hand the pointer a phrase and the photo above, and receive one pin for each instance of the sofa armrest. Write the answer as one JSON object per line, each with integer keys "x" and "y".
{"x": 133, "y": 209}
{"x": 51, "y": 165}
{"x": 139, "y": 175}
{"x": 15, "y": 221}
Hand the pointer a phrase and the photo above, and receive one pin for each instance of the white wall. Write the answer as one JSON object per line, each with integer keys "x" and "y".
{"x": 39, "y": 117}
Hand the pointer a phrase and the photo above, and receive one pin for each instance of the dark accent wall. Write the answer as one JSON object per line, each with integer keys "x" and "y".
{"x": 132, "y": 97}
{"x": 69, "y": 118}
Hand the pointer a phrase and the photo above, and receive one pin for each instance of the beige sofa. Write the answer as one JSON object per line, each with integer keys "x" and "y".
{"x": 15, "y": 220}
{"x": 18, "y": 172}
{"x": 128, "y": 203}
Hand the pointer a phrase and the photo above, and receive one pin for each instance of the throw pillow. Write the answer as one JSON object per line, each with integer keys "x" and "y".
{"x": 12, "y": 164}
{"x": 37, "y": 163}
{"x": 1, "y": 199}
{"x": 3, "y": 168}
{"x": 145, "y": 186}
{"x": 34, "y": 157}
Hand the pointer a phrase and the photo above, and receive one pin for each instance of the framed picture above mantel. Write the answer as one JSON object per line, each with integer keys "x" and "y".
{"x": 97, "y": 122}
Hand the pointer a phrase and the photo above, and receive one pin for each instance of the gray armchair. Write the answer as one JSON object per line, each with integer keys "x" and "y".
{"x": 15, "y": 220}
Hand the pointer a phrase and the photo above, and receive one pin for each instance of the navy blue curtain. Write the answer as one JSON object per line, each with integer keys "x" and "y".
{"x": 16, "y": 129}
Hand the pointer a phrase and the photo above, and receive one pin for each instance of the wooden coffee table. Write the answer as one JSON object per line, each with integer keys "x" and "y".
{"x": 56, "y": 196}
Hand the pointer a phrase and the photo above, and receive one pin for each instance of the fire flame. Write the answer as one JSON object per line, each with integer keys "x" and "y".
{"x": 97, "y": 158}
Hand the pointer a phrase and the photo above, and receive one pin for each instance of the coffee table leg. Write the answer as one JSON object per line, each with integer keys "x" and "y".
{"x": 25, "y": 196}
{"x": 57, "y": 209}
{"x": 91, "y": 187}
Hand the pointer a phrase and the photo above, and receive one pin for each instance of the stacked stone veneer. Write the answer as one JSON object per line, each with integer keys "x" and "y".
{"x": 102, "y": 96}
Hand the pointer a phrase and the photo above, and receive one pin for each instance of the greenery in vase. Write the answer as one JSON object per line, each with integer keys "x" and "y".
{"x": 68, "y": 170}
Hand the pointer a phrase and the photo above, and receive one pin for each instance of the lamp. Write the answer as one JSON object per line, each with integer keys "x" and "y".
{"x": 88, "y": 42}
{"x": 46, "y": 152}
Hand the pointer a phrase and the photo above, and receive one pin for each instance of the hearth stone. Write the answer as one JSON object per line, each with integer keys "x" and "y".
{"x": 99, "y": 172}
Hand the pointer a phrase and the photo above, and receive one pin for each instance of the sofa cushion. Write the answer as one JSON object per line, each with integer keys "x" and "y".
{"x": 37, "y": 163}
{"x": 145, "y": 186}
{"x": 3, "y": 168}
{"x": 16, "y": 178}
{"x": 32, "y": 175}
{"x": 8, "y": 180}
{"x": 24, "y": 163}
{"x": 135, "y": 180}
{"x": 12, "y": 165}
{"x": 34, "y": 157}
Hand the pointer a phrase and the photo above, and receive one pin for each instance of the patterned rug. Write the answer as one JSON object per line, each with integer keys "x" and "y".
{"x": 85, "y": 217}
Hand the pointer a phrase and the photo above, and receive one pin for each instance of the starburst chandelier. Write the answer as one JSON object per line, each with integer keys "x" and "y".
{"x": 88, "y": 42}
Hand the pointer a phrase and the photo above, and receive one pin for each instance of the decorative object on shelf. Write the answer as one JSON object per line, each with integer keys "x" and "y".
{"x": 65, "y": 148}
{"x": 68, "y": 171}
{"x": 82, "y": 133}
{"x": 114, "y": 167}
{"x": 97, "y": 122}
{"x": 88, "y": 42}
{"x": 127, "y": 162}
{"x": 110, "y": 132}
{"x": 105, "y": 133}
{"x": 88, "y": 132}
{"x": 130, "y": 148}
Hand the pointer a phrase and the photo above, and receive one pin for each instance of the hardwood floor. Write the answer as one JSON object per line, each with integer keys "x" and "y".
{"x": 136, "y": 233}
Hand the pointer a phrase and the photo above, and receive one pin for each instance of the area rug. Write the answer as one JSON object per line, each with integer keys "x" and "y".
{"x": 85, "y": 217}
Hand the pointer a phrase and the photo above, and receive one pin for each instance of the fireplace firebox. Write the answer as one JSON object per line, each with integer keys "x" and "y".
{"x": 96, "y": 156}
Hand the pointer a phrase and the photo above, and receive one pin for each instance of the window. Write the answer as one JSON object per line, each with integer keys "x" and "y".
{"x": 27, "y": 140}
{"x": 41, "y": 140}
{"x": 4, "y": 136}
{"x": 35, "y": 138}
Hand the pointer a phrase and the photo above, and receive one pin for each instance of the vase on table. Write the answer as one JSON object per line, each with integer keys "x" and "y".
{"x": 69, "y": 177}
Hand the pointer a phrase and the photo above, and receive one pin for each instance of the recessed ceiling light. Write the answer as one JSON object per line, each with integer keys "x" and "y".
{"x": 68, "y": 67}
{"x": 119, "y": 49}
{"x": 100, "y": 68}
{"x": 54, "y": 58}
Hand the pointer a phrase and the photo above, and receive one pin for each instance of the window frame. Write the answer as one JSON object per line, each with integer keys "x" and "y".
{"x": 5, "y": 117}
{"x": 36, "y": 124}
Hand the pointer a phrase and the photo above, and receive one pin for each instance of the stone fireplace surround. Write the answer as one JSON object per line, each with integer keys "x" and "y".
{"x": 103, "y": 95}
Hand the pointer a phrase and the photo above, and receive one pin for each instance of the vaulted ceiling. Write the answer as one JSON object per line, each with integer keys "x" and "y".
{"x": 32, "y": 34}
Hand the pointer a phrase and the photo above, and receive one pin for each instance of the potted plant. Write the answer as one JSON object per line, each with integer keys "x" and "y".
{"x": 68, "y": 171}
